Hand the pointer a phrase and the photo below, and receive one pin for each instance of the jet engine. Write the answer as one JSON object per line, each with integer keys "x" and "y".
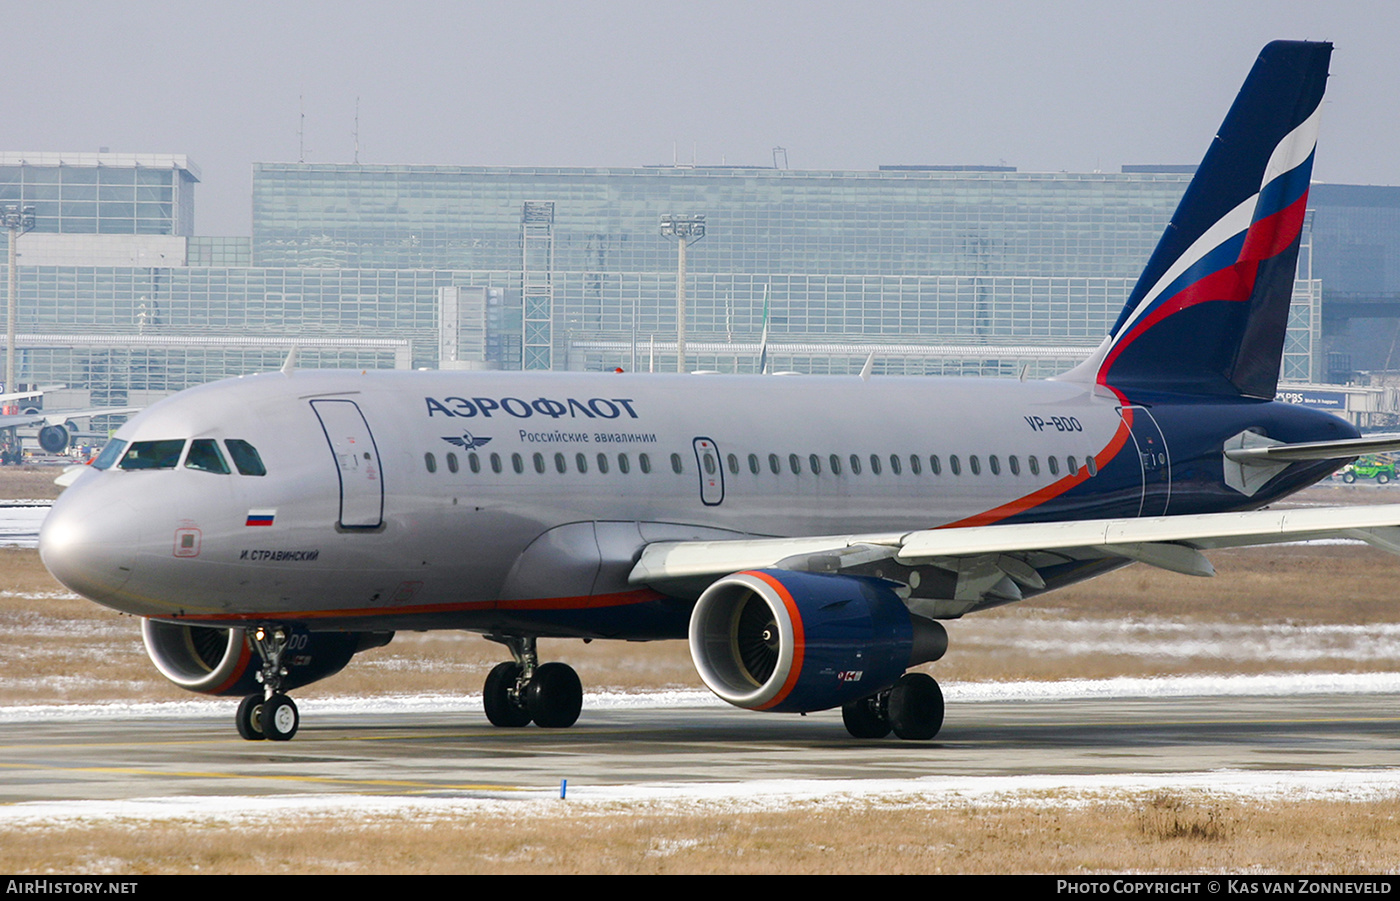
{"x": 54, "y": 438}
{"x": 222, "y": 662}
{"x": 794, "y": 641}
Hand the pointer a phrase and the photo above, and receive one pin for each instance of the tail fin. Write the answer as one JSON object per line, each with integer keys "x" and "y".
{"x": 1209, "y": 312}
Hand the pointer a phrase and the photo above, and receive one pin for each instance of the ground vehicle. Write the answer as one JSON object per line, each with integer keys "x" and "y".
{"x": 1380, "y": 467}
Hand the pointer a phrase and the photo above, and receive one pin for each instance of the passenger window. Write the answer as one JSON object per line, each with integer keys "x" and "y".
{"x": 561, "y": 465}
{"x": 204, "y": 455}
{"x": 974, "y": 465}
{"x": 1092, "y": 464}
{"x": 855, "y": 465}
{"x": 539, "y": 462}
{"x": 1034, "y": 464}
{"x": 774, "y": 466}
{"x": 430, "y": 461}
{"x": 916, "y": 466}
{"x": 624, "y": 465}
{"x": 644, "y": 460}
{"x": 754, "y": 466}
{"x": 733, "y": 465}
{"x": 1015, "y": 463}
{"x": 835, "y": 462}
{"x": 110, "y": 454}
{"x": 795, "y": 464}
{"x": 954, "y": 465}
{"x": 496, "y": 463}
{"x": 473, "y": 462}
{"x": 934, "y": 466}
{"x": 994, "y": 464}
{"x": 581, "y": 460}
{"x": 816, "y": 463}
{"x": 874, "y": 464}
{"x": 153, "y": 455}
{"x": 603, "y": 463}
{"x": 1073, "y": 466}
{"x": 1054, "y": 466}
{"x": 245, "y": 457}
{"x": 451, "y": 462}
{"x": 517, "y": 463}
{"x": 676, "y": 464}
{"x": 894, "y": 464}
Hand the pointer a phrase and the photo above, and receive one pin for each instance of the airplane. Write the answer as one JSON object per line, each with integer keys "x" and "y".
{"x": 55, "y": 429}
{"x": 807, "y": 535}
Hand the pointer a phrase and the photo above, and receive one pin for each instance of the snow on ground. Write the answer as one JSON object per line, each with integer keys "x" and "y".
{"x": 1118, "y": 688}
{"x": 927, "y": 792}
{"x": 762, "y": 796}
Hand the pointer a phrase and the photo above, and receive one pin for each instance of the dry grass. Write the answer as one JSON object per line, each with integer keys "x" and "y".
{"x": 29, "y": 482}
{"x": 1151, "y": 833}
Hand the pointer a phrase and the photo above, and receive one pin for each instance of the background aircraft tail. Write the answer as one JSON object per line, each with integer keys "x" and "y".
{"x": 1209, "y": 311}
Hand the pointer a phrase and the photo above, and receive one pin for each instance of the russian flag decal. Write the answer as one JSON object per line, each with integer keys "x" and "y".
{"x": 261, "y": 517}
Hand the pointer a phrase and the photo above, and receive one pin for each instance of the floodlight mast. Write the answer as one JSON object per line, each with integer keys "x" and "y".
{"x": 17, "y": 220}
{"x": 686, "y": 229}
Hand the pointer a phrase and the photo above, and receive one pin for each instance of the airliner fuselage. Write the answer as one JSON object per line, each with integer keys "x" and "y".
{"x": 410, "y": 500}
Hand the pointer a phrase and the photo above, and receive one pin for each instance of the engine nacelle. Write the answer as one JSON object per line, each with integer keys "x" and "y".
{"x": 794, "y": 641}
{"x": 54, "y": 438}
{"x": 222, "y": 662}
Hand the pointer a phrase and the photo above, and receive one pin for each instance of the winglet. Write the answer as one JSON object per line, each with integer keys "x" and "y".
{"x": 290, "y": 364}
{"x": 868, "y": 367}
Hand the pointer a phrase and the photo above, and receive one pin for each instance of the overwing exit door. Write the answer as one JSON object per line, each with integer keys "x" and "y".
{"x": 711, "y": 472}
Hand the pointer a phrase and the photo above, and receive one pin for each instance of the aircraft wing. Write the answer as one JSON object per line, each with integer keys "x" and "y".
{"x": 21, "y": 420}
{"x": 996, "y": 562}
{"x": 52, "y": 417}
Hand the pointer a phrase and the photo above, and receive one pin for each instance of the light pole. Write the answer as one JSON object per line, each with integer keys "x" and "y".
{"x": 18, "y": 220}
{"x": 686, "y": 230}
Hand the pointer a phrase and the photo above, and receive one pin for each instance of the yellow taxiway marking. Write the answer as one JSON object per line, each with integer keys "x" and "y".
{"x": 318, "y": 780}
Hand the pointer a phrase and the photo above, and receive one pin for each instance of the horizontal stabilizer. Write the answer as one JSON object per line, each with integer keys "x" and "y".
{"x": 1316, "y": 450}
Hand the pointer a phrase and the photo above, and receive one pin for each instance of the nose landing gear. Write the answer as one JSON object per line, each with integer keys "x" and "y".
{"x": 525, "y": 690}
{"x": 272, "y": 715}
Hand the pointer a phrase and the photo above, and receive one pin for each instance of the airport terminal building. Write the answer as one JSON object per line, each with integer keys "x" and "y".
{"x": 936, "y": 270}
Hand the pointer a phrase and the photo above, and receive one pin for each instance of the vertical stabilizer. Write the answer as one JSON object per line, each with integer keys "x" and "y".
{"x": 1209, "y": 311}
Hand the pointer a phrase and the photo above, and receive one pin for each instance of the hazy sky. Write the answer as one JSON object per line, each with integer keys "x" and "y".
{"x": 1071, "y": 85}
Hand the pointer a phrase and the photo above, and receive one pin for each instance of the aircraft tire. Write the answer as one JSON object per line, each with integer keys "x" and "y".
{"x": 495, "y": 697}
{"x": 865, "y": 719}
{"x": 279, "y": 718}
{"x": 916, "y": 707}
{"x": 249, "y": 718}
{"x": 554, "y": 696}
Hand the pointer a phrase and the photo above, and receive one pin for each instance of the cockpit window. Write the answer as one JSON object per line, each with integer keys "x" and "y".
{"x": 110, "y": 454}
{"x": 153, "y": 454}
{"x": 245, "y": 457}
{"x": 204, "y": 455}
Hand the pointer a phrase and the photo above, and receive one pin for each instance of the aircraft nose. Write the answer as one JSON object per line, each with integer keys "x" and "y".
{"x": 89, "y": 542}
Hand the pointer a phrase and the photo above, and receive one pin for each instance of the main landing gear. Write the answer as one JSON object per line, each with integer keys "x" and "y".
{"x": 271, "y": 715}
{"x": 524, "y": 690}
{"x": 912, "y": 708}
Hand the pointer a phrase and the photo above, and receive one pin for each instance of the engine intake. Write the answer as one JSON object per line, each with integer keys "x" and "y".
{"x": 792, "y": 641}
{"x": 218, "y": 661}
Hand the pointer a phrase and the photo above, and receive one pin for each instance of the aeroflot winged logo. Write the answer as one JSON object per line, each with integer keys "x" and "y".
{"x": 467, "y": 441}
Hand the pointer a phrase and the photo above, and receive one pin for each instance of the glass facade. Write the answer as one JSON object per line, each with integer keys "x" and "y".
{"x": 102, "y": 193}
{"x": 939, "y": 271}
